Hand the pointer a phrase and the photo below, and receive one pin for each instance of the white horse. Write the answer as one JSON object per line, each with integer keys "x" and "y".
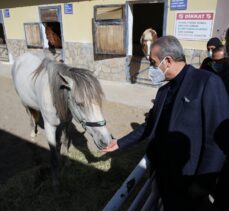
{"x": 59, "y": 93}
{"x": 147, "y": 38}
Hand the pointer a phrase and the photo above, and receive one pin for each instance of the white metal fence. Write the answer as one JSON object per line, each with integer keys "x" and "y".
{"x": 150, "y": 201}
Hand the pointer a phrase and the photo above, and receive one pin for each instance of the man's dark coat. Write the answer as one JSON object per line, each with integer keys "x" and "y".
{"x": 201, "y": 107}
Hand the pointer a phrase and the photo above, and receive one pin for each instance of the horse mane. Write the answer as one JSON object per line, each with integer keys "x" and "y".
{"x": 40, "y": 68}
{"x": 87, "y": 89}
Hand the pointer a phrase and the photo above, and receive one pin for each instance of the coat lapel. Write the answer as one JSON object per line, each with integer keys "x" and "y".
{"x": 182, "y": 95}
{"x": 159, "y": 103}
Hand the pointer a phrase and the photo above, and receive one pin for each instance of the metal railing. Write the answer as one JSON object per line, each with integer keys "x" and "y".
{"x": 150, "y": 201}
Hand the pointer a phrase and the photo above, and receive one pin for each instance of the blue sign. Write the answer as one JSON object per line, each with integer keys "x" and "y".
{"x": 178, "y": 4}
{"x": 6, "y": 13}
{"x": 68, "y": 9}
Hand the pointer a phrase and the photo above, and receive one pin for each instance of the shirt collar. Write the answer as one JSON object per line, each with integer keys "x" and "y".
{"x": 179, "y": 78}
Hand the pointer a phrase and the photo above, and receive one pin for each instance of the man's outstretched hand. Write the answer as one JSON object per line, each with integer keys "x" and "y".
{"x": 111, "y": 147}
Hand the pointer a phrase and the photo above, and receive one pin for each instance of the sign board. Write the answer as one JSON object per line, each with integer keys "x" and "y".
{"x": 6, "y": 13}
{"x": 68, "y": 9}
{"x": 178, "y": 4}
{"x": 194, "y": 25}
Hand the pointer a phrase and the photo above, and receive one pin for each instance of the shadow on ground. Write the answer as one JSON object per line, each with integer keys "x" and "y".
{"x": 87, "y": 184}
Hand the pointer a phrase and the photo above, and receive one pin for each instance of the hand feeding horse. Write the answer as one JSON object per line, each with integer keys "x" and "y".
{"x": 147, "y": 38}
{"x": 60, "y": 93}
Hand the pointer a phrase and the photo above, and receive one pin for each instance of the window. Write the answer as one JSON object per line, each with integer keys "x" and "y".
{"x": 51, "y": 27}
{"x": 109, "y": 13}
{"x": 47, "y": 33}
{"x": 33, "y": 35}
{"x": 109, "y": 29}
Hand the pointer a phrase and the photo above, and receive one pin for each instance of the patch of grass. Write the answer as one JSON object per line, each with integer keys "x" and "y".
{"x": 86, "y": 184}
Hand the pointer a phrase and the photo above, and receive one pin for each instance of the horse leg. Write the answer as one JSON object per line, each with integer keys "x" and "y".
{"x": 62, "y": 140}
{"x": 51, "y": 136}
{"x": 35, "y": 116}
{"x": 65, "y": 144}
{"x": 65, "y": 140}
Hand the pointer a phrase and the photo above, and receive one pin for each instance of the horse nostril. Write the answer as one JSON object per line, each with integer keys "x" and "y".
{"x": 112, "y": 137}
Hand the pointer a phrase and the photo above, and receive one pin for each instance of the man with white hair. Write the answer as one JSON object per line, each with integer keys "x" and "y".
{"x": 188, "y": 111}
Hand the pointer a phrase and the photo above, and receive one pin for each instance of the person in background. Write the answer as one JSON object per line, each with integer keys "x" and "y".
{"x": 217, "y": 62}
{"x": 212, "y": 46}
{"x": 187, "y": 112}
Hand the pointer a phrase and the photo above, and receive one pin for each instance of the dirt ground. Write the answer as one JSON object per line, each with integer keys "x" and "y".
{"x": 16, "y": 145}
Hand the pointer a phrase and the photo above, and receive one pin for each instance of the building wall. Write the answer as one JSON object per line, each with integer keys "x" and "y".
{"x": 18, "y": 16}
{"x": 193, "y": 5}
{"x": 195, "y": 51}
{"x": 78, "y": 26}
{"x": 221, "y": 19}
{"x": 79, "y": 42}
{"x": 78, "y": 36}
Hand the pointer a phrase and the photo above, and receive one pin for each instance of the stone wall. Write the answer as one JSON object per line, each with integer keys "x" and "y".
{"x": 4, "y": 53}
{"x": 104, "y": 66}
{"x": 195, "y": 57}
{"x": 78, "y": 55}
{"x": 18, "y": 47}
{"x": 138, "y": 66}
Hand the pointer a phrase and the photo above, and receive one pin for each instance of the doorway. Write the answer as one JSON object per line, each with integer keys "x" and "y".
{"x": 146, "y": 16}
{"x": 141, "y": 16}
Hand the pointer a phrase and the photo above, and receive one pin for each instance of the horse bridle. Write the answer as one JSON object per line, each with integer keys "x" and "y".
{"x": 77, "y": 116}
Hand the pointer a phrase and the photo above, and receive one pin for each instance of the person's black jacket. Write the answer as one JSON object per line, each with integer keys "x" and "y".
{"x": 201, "y": 106}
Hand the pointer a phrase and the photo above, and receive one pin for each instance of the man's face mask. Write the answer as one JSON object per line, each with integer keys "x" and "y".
{"x": 210, "y": 53}
{"x": 156, "y": 75}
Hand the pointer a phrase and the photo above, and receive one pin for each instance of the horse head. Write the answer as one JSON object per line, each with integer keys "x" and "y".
{"x": 52, "y": 37}
{"x": 147, "y": 38}
{"x": 84, "y": 103}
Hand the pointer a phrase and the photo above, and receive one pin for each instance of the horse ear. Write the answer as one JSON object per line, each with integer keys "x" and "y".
{"x": 66, "y": 81}
{"x": 154, "y": 34}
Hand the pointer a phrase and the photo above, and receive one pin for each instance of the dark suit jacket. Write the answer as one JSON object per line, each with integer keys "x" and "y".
{"x": 201, "y": 105}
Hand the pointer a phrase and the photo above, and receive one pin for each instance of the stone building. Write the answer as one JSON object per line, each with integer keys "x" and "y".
{"x": 103, "y": 35}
